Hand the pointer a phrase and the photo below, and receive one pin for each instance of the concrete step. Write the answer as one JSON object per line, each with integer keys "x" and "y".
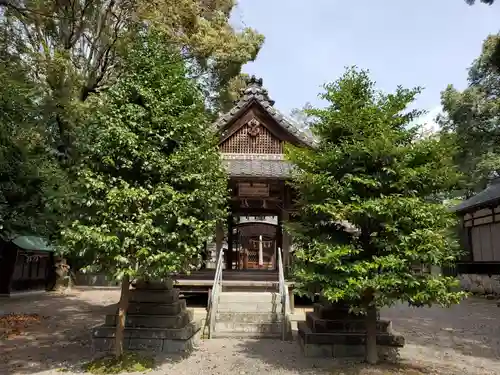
{"x": 250, "y": 302}
{"x": 249, "y": 297}
{"x": 250, "y": 286}
{"x": 245, "y": 335}
{"x": 246, "y": 327}
{"x": 235, "y": 307}
{"x": 248, "y": 317}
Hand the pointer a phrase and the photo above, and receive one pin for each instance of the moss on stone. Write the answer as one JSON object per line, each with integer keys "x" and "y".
{"x": 129, "y": 362}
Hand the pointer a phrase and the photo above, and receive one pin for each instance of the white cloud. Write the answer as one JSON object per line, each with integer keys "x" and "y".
{"x": 428, "y": 121}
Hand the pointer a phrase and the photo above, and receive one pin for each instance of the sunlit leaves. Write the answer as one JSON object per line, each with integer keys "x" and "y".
{"x": 151, "y": 185}
{"x": 366, "y": 215}
{"x": 28, "y": 172}
{"x": 471, "y": 118}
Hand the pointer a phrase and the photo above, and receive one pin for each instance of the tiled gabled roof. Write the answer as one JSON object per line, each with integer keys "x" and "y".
{"x": 256, "y": 93}
{"x": 489, "y": 195}
{"x": 257, "y": 165}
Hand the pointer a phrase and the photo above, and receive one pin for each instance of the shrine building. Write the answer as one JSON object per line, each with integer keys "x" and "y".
{"x": 252, "y": 139}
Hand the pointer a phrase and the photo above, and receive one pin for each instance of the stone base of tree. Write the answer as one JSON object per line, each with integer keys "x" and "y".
{"x": 157, "y": 321}
{"x": 331, "y": 331}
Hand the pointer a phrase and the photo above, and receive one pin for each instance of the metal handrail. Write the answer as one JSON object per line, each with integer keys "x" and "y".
{"x": 214, "y": 294}
{"x": 285, "y": 299}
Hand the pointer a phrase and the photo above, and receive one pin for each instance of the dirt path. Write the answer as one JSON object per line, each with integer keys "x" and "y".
{"x": 462, "y": 340}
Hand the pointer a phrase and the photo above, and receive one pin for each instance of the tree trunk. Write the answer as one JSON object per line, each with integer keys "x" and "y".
{"x": 122, "y": 313}
{"x": 371, "y": 335}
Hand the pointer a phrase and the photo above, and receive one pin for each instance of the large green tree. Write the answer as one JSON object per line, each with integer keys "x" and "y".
{"x": 150, "y": 185}
{"x": 471, "y": 118}
{"x": 26, "y": 168}
{"x": 371, "y": 172}
{"x": 74, "y": 46}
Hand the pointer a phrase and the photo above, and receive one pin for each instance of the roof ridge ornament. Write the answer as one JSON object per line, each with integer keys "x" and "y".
{"x": 254, "y": 89}
{"x": 254, "y": 81}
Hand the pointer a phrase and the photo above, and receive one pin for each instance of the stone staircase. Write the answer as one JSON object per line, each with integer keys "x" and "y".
{"x": 249, "y": 314}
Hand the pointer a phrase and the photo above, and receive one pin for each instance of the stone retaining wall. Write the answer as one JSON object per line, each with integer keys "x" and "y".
{"x": 480, "y": 284}
{"x": 94, "y": 279}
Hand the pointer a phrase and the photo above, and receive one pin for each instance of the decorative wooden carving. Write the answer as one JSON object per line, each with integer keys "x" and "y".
{"x": 253, "y": 127}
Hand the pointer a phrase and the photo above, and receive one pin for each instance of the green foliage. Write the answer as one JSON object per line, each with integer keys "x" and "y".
{"x": 471, "y": 119}
{"x": 27, "y": 170}
{"x": 129, "y": 362}
{"x": 75, "y": 48}
{"x": 150, "y": 185}
{"x": 472, "y": 2}
{"x": 366, "y": 207}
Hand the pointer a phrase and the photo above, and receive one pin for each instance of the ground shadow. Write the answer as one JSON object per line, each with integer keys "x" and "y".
{"x": 471, "y": 328}
{"x": 288, "y": 357}
{"x": 62, "y": 339}
{"x": 435, "y": 338}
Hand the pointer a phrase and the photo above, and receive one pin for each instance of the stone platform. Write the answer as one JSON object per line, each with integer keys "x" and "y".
{"x": 331, "y": 331}
{"x": 157, "y": 320}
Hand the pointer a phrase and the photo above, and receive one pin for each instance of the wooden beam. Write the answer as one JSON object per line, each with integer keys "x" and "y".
{"x": 255, "y": 211}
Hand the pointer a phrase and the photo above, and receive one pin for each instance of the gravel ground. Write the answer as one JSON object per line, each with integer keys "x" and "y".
{"x": 461, "y": 340}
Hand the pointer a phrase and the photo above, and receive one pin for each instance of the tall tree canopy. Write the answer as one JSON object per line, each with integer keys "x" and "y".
{"x": 74, "y": 46}
{"x": 26, "y": 168}
{"x": 150, "y": 183}
{"x": 472, "y": 118}
{"x": 365, "y": 210}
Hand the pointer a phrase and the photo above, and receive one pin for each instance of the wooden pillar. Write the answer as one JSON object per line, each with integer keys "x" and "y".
{"x": 279, "y": 236}
{"x": 286, "y": 240}
{"x": 219, "y": 238}
{"x": 229, "y": 255}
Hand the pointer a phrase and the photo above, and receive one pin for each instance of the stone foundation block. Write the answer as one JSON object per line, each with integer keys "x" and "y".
{"x": 347, "y": 325}
{"x": 183, "y": 333}
{"x": 156, "y": 308}
{"x": 342, "y": 342}
{"x": 343, "y": 351}
{"x": 153, "y": 285}
{"x": 167, "y": 296}
{"x": 346, "y": 338}
{"x": 152, "y": 345}
{"x": 153, "y": 321}
{"x": 156, "y": 321}
{"x": 336, "y": 312}
{"x": 144, "y": 339}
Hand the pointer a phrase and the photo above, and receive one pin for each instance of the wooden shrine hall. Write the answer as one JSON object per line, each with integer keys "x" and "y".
{"x": 252, "y": 139}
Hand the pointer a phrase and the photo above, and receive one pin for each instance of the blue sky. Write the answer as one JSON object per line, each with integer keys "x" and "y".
{"x": 427, "y": 43}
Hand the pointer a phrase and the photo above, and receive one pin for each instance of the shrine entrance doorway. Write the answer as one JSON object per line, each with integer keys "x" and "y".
{"x": 256, "y": 244}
